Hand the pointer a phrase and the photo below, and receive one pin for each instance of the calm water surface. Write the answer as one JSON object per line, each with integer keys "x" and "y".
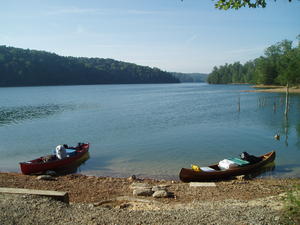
{"x": 148, "y": 130}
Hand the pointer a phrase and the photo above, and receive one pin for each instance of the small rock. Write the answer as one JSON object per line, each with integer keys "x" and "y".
{"x": 45, "y": 177}
{"x": 241, "y": 177}
{"x": 244, "y": 177}
{"x": 107, "y": 206}
{"x": 160, "y": 194}
{"x": 50, "y": 172}
{"x": 142, "y": 192}
{"x": 132, "y": 178}
{"x": 124, "y": 205}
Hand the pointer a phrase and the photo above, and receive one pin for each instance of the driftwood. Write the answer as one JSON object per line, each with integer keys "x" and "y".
{"x": 58, "y": 195}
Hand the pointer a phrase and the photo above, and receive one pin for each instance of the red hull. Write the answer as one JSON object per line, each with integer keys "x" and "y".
{"x": 38, "y": 166}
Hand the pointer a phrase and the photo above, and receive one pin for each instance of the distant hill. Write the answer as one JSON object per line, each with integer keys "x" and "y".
{"x": 191, "y": 77}
{"x": 24, "y": 67}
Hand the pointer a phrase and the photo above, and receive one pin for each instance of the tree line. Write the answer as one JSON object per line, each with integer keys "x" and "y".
{"x": 24, "y": 67}
{"x": 190, "y": 77}
{"x": 280, "y": 65}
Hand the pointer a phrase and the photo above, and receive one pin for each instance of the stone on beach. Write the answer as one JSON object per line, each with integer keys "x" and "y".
{"x": 241, "y": 177}
{"x": 141, "y": 189}
{"x": 50, "y": 172}
{"x": 142, "y": 192}
{"x": 144, "y": 189}
{"x": 159, "y": 187}
{"x": 132, "y": 178}
{"x": 244, "y": 177}
{"x": 160, "y": 194}
{"x": 45, "y": 177}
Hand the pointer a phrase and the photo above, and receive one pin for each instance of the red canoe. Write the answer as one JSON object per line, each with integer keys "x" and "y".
{"x": 42, "y": 164}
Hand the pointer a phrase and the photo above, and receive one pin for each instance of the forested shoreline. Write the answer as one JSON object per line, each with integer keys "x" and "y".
{"x": 191, "y": 77}
{"x": 24, "y": 67}
{"x": 280, "y": 65}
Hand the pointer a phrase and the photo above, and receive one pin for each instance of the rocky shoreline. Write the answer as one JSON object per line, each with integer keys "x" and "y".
{"x": 107, "y": 200}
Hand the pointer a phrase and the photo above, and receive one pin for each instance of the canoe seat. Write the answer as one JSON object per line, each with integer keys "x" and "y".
{"x": 70, "y": 152}
{"x": 239, "y": 161}
{"x": 207, "y": 169}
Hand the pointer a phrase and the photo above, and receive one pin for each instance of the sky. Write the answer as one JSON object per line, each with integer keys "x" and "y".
{"x": 173, "y": 35}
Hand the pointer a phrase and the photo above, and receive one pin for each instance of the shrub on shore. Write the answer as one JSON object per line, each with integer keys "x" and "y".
{"x": 291, "y": 214}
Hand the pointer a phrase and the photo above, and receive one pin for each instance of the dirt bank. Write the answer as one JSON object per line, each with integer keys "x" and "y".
{"x": 91, "y": 189}
{"x": 255, "y": 201}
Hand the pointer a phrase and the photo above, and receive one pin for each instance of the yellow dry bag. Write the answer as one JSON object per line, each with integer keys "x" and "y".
{"x": 195, "y": 168}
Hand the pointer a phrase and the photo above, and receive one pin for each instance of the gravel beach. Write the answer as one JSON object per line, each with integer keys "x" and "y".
{"x": 106, "y": 200}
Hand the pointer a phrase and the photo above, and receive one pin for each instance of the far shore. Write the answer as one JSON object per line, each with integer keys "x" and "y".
{"x": 274, "y": 89}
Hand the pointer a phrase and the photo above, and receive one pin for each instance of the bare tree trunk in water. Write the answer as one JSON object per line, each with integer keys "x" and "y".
{"x": 287, "y": 100}
{"x": 239, "y": 104}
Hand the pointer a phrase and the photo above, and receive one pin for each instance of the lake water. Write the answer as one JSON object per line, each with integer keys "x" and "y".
{"x": 148, "y": 130}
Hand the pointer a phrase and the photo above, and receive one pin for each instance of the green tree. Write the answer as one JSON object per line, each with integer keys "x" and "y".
{"x": 236, "y": 4}
{"x": 289, "y": 71}
{"x": 20, "y": 67}
{"x": 279, "y": 65}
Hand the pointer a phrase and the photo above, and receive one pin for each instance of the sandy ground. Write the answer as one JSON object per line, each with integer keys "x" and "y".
{"x": 106, "y": 200}
{"x": 90, "y": 189}
{"x": 274, "y": 89}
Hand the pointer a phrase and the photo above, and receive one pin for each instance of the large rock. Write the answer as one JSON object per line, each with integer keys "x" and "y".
{"x": 160, "y": 194}
{"x": 144, "y": 189}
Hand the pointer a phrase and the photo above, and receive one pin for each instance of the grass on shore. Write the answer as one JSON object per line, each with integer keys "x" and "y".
{"x": 291, "y": 214}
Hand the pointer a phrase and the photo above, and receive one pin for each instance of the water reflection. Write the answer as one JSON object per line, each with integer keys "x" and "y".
{"x": 287, "y": 122}
{"x": 286, "y": 128}
{"x": 13, "y": 115}
{"x": 264, "y": 171}
{"x": 74, "y": 167}
{"x": 298, "y": 129}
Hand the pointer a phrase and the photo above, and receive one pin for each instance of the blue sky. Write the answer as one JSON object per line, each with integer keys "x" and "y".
{"x": 188, "y": 36}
